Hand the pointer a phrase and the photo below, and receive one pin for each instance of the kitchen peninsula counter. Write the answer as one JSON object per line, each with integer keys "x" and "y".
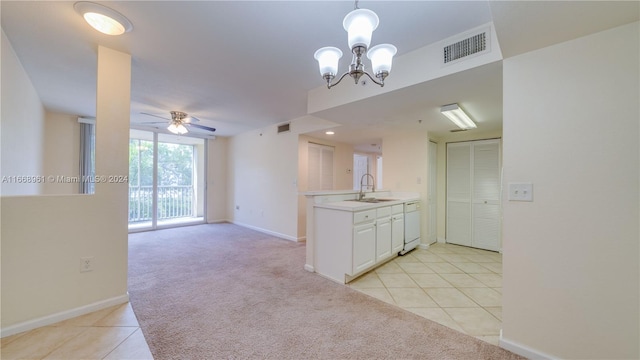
{"x": 339, "y": 210}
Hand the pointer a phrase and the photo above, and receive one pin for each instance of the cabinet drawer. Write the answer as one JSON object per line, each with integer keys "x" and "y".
{"x": 397, "y": 209}
{"x": 383, "y": 212}
{"x": 363, "y": 216}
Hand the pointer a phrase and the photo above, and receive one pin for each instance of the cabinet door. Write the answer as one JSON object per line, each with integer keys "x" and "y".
{"x": 383, "y": 239}
{"x": 364, "y": 246}
{"x": 397, "y": 233}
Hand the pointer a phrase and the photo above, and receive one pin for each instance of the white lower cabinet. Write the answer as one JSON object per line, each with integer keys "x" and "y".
{"x": 383, "y": 233}
{"x": 397, "y": 228}
{"x": 350, "y": 243}
{"x": 364, "y": 246}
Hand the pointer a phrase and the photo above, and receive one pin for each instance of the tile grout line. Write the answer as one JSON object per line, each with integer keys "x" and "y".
{"x": 122, "y": 342}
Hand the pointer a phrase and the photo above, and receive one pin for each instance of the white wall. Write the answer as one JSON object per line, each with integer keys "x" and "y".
{"x": 61, "y": 152}
{"x": 405, "y": 168}
{"x": 43, "y": 237}
{"x": 262, "y": 179}
{"x": 21, "y": 125}
{"x": 571, "y": 127}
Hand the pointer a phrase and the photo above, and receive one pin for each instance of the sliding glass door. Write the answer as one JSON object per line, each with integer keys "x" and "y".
{"x": 166, "y": 180}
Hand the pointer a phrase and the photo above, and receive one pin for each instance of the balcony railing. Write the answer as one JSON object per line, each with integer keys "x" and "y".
{"x": 173, "y": 202}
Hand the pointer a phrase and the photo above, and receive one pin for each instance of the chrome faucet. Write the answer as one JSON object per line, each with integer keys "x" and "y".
{"x": 373, "y": 186}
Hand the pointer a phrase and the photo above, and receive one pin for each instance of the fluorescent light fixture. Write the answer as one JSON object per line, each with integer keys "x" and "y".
{"x": 458, "y": 116}
{"x": 103, "y": 19}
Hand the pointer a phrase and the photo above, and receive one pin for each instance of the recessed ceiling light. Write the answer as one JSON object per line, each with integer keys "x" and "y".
{"x": 103, "y": 19}
{"x": 329, "y": 132}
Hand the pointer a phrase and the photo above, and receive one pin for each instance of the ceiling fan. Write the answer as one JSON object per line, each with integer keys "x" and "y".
{"x": 180, "y": 121}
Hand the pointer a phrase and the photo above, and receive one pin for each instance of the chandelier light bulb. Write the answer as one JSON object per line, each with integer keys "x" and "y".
{"x": 381, "y": 57}
{"x": 360, "y": 24}
{"x": 328, "y": 60}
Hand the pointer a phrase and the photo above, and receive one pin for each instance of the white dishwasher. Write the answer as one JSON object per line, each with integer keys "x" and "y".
{"x": 411, "y": 226}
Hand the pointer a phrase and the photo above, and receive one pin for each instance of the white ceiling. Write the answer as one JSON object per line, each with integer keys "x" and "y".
{"x": 240, "y": 65}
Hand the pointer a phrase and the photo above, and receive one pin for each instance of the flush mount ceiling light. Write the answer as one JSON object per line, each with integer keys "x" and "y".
{"x": 330, "y": 132}
{"x": 458, "y": 116}
{"x": 103, "y": 19}
{"x": 359, "y": 25}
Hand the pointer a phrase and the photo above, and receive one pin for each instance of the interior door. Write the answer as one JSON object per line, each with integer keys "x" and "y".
{"x": 473, "y": 194}
{"x": 459, "y": 193}
{"x": 360, "y": 167}
{"x": 486, "y": 196}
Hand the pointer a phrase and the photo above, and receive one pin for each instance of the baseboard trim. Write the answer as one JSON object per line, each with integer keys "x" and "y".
{"x": 442, "y": 240}
{"x": 424, "y": 246}
{"x": 268, "y": 232}
{"x": 63, "y": 315}
{"x": 522, "y": 350}
{"x": 309, "y": 268}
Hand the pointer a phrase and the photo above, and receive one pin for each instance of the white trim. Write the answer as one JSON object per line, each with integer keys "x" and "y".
{"x": 63, "y": 315}
{"x": 522, "y": 350}
{"x": 309, "y": 268}
{"x": 442, "y": 240}
{"x": 269, "y": 232}
{"x": 424, "y": 246}
{"x": 87, "y": 120}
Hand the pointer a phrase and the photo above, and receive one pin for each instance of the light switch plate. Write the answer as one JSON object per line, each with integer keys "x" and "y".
{"x": 520, "y": 192}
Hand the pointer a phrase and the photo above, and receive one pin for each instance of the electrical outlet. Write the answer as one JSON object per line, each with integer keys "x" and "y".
{"x": 86, "y": 264}
{"x": 520, "y": 192}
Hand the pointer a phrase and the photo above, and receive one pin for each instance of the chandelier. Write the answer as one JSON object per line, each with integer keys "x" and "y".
{"x": 359, "y": 24}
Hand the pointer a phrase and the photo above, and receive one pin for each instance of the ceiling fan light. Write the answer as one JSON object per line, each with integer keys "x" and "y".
{"x": 381, "y": 57}
{"x": 173, "y": 128}
{"x": 458, "y": 116}
{"x": 328, "y": 60}
{"x": 103, "y": 19}
{"x": 360, "y": 24}
{"x": 177, "y": 129}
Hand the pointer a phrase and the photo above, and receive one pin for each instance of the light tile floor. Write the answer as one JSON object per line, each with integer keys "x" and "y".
{"x": 109, "y": 334}
{"x": 456, "y": 286}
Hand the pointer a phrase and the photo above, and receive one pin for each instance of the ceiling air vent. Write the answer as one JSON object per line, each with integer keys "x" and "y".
{"x": 463, "y": 48}
{"x": 283, "y": 128}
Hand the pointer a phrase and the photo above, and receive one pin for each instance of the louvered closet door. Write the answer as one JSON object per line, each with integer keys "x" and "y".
{"x": 459, "y": 193}
{"x": 486, "y": 195}
{"x": 473, "y": 194}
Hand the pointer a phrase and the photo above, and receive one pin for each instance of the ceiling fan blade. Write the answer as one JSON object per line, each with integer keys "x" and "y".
{"x": 189, "y": 119}
{"x": 202, "y": 127}
{"x": 158, "y": 116}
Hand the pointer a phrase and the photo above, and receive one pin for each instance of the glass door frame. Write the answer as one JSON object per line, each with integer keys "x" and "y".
{"x": 154, "y": 202}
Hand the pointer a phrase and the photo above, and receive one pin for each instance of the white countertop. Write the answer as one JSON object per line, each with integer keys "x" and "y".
{"x": 352, "y": 205}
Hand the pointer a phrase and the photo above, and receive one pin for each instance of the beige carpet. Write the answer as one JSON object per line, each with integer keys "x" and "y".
{"x": 221, "y": 291}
